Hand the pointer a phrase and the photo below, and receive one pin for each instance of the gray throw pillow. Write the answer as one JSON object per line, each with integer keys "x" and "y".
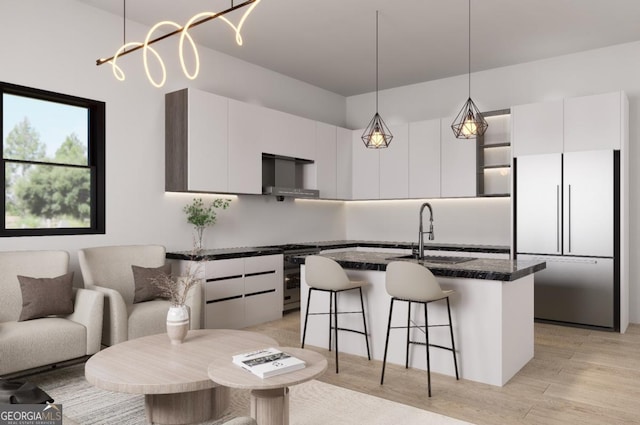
{"x": 143, "y": 281}
{"x": 43, "y": 296}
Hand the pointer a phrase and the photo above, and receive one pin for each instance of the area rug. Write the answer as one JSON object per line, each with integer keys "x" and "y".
{"x": 311, "y": 403}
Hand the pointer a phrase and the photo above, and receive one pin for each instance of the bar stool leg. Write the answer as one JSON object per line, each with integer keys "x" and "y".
{"x": 426, "y": 333}
{"x": 306, "y": 317}
{"x": 453, "y": 345}
{"x": 386, "y": 344}
{"x": 330, "y": 314}
{"x": 364, "y": 321}
{"x": 335, "y": 315}
{"x": 406, "y": 360}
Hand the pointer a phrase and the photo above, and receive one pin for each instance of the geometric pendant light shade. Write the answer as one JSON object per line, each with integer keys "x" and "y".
{"x": 469, "y": 122}
{"x": 377, "y": 135}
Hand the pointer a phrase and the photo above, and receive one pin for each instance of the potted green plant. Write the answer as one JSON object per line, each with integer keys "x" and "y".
{"x": 202, "y": 216}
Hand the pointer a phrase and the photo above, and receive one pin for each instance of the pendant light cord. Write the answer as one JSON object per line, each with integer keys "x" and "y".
{"x": 469, "y": 45}
{"x": 376, "y": 61}
{"x": 124, "y": 22}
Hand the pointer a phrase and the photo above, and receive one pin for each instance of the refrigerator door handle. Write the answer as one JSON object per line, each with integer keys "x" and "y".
{"x": 558, "y": 218}
{"x": 569, "y": 218}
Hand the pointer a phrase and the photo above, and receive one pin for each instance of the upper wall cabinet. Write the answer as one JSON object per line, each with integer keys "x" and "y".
{"x": 381, "y": 173}
{"x": 196, "y": 142}
{"x": 537, "y": 128}
{"x": 254, "y": 130}
{"x": 394, "y": 165}
{"x": 458, "y": 163}
{"x": 593, "y": 122}
{"x": 344, "y": 158}
{"x": 215, "y": 144}
{"x": 424, "y": 159}
{"x": 247, "y": 125}
{"x": 286, "y": 134}
{"x": 326, "y": 160}
{"x": 365, "y": 169}
{"x": 574, "y": 124}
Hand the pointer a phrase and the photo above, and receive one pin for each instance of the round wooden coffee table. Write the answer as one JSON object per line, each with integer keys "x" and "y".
{"x": 173, "y": 378}
{"x": 269, "y": 396}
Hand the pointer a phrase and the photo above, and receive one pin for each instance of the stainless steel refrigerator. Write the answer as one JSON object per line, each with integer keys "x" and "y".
{"x": 567, "y": 212}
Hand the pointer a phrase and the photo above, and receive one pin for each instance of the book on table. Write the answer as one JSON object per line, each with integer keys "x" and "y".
{"x": 268, "y": 362}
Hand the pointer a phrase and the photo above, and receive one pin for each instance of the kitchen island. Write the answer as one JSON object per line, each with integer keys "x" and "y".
{"x": 492, "y": 314}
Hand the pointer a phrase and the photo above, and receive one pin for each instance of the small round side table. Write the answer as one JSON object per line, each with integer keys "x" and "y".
{"x": 269, "y": 396}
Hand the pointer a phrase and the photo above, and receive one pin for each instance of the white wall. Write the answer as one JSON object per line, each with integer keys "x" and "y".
{"x": 53, "y": 45}
{"x": 596, "y": 71}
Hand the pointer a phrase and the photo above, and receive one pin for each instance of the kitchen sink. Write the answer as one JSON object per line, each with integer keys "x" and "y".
{"x": 436, "y": 259}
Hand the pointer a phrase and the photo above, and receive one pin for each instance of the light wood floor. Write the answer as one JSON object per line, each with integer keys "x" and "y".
{"x": 577, "y": 376}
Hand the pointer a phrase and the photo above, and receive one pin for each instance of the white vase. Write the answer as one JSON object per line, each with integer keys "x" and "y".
{"x": 177, "y": 323}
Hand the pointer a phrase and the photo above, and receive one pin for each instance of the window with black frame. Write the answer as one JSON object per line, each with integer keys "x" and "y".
{"x": 53, "y": 149}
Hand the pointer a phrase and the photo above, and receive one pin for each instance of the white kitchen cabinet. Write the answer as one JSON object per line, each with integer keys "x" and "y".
{"x": 458, "y": 163}
{"x": 593, "y": 122}
{"x": 300, "y": 140}
{"x": 247, "y": 125}
{"x": 394, "y": 165}
{"x": 263, "y": 286}
{"x": 344, "y": 155}
{"x": 241, "y": 292}
{"x": 424, "y": 159}
{"x": 537, "y": 128}
{"x": 326, "y": 160}
{"x": 223, "y": 294}
{"x": 366, "y": 169}
{"x": 196, "y": 141}
{"x": 285, "y": 134}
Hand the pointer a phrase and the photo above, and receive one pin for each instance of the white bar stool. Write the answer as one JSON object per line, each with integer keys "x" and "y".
{"x": 324, "y": 274}
{"x": 414, "y": 283}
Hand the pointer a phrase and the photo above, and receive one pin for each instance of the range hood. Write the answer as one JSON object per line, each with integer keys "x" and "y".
{"x": 283, "y": 176}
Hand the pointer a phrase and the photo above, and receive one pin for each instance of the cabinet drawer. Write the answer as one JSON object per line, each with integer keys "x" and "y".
{"x": 263, "y": 308}
{"x": 267, "y": 282}
{"x": 225, "y": 314}
{"x": 224, "y": 268}
{"x": 223, "y": 289}
{"x": 262, "y": 263}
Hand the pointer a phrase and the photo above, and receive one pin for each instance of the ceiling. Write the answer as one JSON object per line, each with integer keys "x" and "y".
{"x": 331, "y": 43}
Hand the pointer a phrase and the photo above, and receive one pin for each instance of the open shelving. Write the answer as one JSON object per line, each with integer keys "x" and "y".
{"x": 494, "y": 155}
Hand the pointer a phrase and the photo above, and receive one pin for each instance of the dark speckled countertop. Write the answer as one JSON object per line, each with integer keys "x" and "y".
{"x": 479, "y": 268}
{"x": 223, "y": 253}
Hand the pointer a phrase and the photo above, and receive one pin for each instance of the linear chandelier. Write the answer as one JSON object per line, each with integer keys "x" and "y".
{"x": 194, "y": 21}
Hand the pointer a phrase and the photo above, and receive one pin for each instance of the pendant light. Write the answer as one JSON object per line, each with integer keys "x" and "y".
{"x": 377, "y": 135}
{"x": 469, "y": 122}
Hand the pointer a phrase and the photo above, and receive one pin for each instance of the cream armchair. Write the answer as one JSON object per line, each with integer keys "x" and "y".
{"x": 47, "y": 340}
{"x": 108, "y": 270}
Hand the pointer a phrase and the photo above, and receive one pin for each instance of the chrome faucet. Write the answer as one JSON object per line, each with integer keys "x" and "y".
{"x": 421, "y": 231}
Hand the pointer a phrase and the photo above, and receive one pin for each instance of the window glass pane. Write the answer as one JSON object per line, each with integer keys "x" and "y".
{"x": 39, "y": 130}
{"x": 47, "y": 196}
